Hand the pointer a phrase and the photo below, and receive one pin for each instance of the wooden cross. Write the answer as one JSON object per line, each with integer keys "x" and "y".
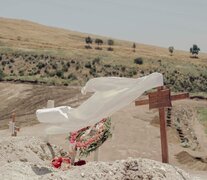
{"x": 160, "y": 99}
{"x": 12, "y": 126}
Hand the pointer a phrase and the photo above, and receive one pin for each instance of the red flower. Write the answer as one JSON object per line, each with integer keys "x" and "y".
{"x": 80, "y": 163}
{"x": 57, "y": 162}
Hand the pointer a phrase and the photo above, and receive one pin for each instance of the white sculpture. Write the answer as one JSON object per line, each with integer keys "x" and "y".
{"x": 110, "y": 95}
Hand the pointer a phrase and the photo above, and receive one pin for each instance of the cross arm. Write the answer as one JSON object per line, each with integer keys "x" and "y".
{"x": 173, "y": 98}
{"x": 179, "y": 96}
{"x": 142, "y": 102}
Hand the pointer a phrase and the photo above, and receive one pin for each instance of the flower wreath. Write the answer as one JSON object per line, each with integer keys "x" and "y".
{"x": 88, "y": 139}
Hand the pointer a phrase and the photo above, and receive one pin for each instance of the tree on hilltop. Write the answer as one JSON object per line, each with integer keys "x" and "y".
{"x": 134, "y": 47}
{"x": 110, "y": 43}
{"x": 194, "y": 50}
{"x": 171, "y": 50}
{"x": 99, "y": 42}
{"x": 88, "y": 41}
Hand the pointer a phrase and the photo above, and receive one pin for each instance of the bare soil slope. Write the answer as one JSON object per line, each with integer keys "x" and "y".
{"x": 25, "y": 99}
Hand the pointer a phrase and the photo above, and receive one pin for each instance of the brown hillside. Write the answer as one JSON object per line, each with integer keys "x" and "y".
{"x": 29, "y": 35}
{"x": 30, "y": 52}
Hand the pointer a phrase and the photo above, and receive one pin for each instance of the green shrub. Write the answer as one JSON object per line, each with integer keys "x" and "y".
{"x": 96, "y": 61}
{"x": 138, "y": 61}
{"x": 88, "y": 65}
{"x": 72, "y": 77}
{"x": 1, "y": 74}
{"x": 68, "y": 64}
{"x": 65, "y": 68}
{"x": 3, "y": 63}
{"x": 134, "y": 71}
{"x": 54, "y": 66}
{"x": 142, "y": 71}
{"x": 60, "y": 74}
{"x": 31, "y": 73}
{"x": 46, "y": 71}
{"x": 12, "y": 60}
{"x": 93, "y": 72}
{"x": 107, "y": 65}
{"x": 73, "y": 61}
{"x": 52, "y": 74}
{"x": 123, "y": 68}
{"x": 21, "y": 73}
{"x": 40, "y": 65}
{"x": 77, "y": 67}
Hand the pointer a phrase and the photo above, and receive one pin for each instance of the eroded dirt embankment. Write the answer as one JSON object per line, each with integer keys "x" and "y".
{"x": 25, "y": 99}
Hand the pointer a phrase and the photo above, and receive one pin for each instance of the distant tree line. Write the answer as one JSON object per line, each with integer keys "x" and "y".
{"x": 99, "y": 42}
{"x": 194, "y": 50}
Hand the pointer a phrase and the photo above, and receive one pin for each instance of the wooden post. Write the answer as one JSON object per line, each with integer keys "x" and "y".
{"x": 163, "y": 136}
{"x": 161, "y": 99}
{"x": 12, "y": 126}
{"x": 163, "y": 132}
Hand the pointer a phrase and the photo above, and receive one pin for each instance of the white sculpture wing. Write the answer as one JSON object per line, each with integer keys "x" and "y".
{"x": 111, "y": 94}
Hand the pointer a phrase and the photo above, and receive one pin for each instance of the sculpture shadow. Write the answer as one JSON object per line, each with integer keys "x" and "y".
{"x": 41, "y": 170}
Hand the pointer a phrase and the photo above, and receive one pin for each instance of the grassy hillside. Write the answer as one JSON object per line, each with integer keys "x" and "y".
{"x": 30, "y": 52}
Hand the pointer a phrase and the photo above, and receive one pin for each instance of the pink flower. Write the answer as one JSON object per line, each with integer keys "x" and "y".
{"x": 73, "y": 137}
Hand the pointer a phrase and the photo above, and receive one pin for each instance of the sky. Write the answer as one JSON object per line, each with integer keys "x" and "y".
{"x": 178, "y": 23}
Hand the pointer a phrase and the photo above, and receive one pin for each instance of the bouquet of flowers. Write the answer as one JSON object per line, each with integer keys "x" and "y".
{"x": 88, "y": 139}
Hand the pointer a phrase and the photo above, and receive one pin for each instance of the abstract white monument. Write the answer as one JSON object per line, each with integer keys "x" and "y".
{"x": 110, "y": 95}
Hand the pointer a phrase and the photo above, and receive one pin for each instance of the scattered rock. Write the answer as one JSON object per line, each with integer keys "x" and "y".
{"x": 82, "y": 174}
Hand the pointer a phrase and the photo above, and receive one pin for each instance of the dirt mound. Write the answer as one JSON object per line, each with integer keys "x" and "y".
{"x": 29, "y": 158}
{"x": 192, "y": 162}
{"x": 182, "y": 119}
{"x": 139, "y": 169}
{"x": 27, "y": 149}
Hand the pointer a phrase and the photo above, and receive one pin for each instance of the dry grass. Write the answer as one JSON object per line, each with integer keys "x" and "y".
{"x": 21, "y": 34}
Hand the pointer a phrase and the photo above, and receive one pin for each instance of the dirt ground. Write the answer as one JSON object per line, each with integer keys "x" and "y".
{"x": 135, "y": 129}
